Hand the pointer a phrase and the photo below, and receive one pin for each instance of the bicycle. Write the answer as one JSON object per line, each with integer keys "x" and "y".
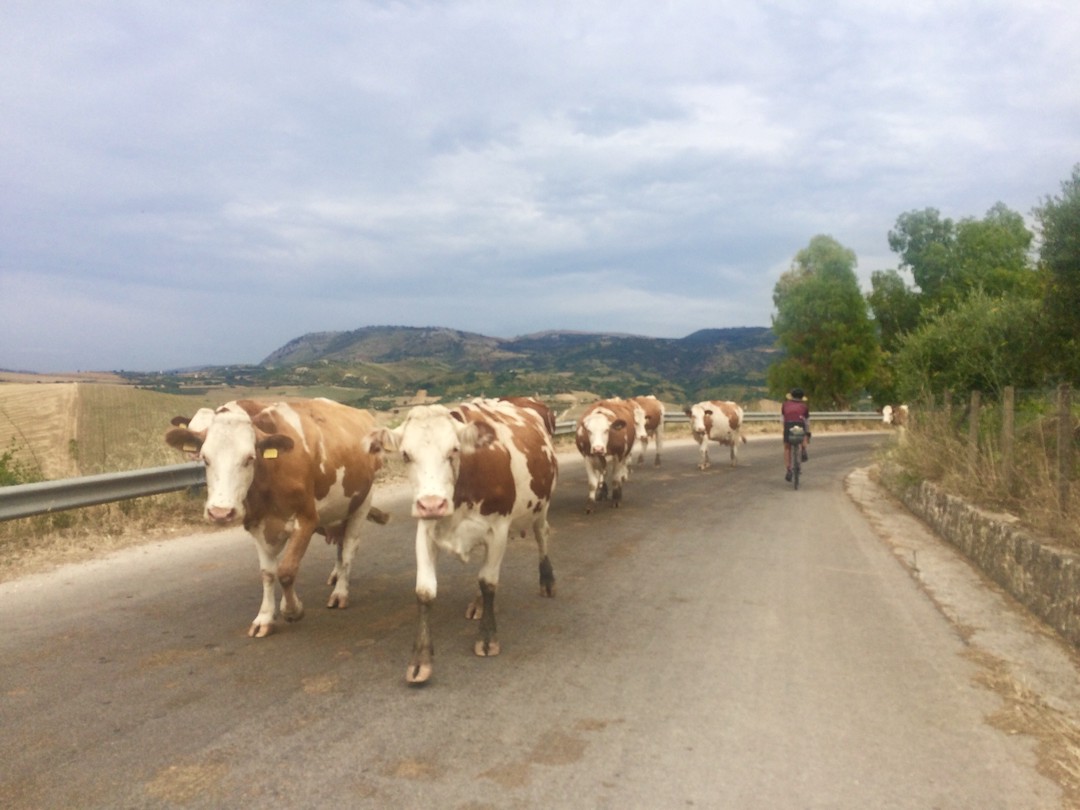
{"x": 795, "y": 435}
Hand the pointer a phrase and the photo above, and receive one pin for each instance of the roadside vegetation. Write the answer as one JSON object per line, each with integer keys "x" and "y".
{"x": 975, "y": 306}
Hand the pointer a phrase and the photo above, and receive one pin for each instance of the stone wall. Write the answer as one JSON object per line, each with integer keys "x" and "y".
{"x": 1044, "y": 578}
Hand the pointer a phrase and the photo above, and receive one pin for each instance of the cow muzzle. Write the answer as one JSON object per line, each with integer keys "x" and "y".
{"x": 430, "y": 507}
{"x": 221, "y": 515}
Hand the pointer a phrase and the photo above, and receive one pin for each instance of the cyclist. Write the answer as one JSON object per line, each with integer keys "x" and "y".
{"x": 795, "y": 411}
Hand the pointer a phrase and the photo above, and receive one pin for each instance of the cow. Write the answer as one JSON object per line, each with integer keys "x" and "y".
{"x": 719, "y": 421}
{"x": 477, "y": 472}
{"x": 898, "y": 416}
{"x": 605, "y": 436}
{"x": 653, "y": 427}
{"x": 285, "y": 471}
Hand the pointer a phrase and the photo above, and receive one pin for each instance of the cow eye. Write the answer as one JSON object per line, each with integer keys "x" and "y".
{"x": 406, "y": 457}
{"x": 249, "y": 461}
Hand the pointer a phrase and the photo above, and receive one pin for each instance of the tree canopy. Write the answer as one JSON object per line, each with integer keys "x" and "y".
{"x": 823, "y": 324}
{"x": 1059, "y": 224}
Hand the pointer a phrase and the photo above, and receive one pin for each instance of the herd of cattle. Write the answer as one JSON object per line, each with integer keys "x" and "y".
{"x": 477, "y": 472}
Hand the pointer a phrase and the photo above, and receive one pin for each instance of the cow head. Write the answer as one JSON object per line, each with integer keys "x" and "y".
{"x": 431, "y": 442}
{"x": 231, "y": 447}
{"x": 596, "y": 428}
{"x": 701, "y": 417}
{"x": 196, "y": 424}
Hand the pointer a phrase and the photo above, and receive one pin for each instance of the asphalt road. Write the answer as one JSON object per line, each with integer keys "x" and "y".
{"x": 719, "y": 641}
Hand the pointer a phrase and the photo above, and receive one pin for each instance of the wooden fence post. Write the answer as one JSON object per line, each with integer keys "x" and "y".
{"x": 1008, "y": 428}
{"x": 973, "y": 431}
{"x": 1064, "y": 446}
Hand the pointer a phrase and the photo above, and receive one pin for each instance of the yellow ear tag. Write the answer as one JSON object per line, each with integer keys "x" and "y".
{"x": 190, "y": 448}
{"x": 270, "y": 452}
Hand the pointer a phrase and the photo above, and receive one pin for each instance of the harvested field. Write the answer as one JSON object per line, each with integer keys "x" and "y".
{"x": 39, "y": 422}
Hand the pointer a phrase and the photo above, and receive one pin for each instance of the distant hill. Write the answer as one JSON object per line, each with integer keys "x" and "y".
{"x": 706, "y": 360}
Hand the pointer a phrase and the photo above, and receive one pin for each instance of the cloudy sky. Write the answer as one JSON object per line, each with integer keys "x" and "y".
{"x": 200, "y": 182}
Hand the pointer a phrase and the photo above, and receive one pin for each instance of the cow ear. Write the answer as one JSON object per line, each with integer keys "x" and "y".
{"x": 618, "y": 424}
{"x": 184, "y": 440}
{"x": 475, "y": 436}
{"x": 180, "y": 421}
{"x": 380, "y": 440}
{"x": 272, "y": 444}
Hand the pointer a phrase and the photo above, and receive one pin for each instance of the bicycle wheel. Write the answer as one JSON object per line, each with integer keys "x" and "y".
{"x": 796, "y": 465}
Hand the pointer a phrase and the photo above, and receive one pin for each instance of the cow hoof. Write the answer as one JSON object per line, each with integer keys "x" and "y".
{"x": 418, "y": 674}
{"x": 338, "y": 600}
{"x": 547, "y": 589}
{"x": 293, "y": 615}
{"x": 486, "y": 649}
{"x": 260, "y": 629}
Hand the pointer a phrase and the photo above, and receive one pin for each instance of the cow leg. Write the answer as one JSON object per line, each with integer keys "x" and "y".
{"x": 422, "y": 664}
{"x": 644, "y": 449}
{"x": 263, "y": 625}
{"x": 659, "y": 444}
{"x": 703, "y": 454}
{"x": 542, "y": 531}
{"x": 487, "y": 644}
{"x": 350, "y": 541}
{"x": 619, "y": 474}
{"x": 288, "y": 567}
{"x": 595, "y": 473}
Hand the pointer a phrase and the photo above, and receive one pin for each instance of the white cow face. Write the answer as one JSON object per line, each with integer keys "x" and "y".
{"x": 598, "y": 425}
{"x": 431, "y": 442}
{"x": 229, "y": 455}
{"x": 229, "y": 446}
{"x": 699, "y": 419}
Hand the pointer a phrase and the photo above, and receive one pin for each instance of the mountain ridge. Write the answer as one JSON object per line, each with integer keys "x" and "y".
{"x": 703, "y": 358}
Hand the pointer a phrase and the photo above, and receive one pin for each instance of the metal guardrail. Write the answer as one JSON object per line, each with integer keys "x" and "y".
{"x": 28, "y": 500}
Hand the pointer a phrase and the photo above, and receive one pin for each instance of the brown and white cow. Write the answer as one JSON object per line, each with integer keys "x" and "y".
{"x": 653, "y": 427}
{"x": 287, "y": 470}
{"x": 898, "y": 416}
{"x": 718, "y": 421}
{"x": 477, "y": 472}
{"x": 605, "y": 437}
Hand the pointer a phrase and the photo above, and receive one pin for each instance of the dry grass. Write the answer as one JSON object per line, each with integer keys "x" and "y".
{"x": 64, "y": 429}
{"x": 936, "y": 448}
